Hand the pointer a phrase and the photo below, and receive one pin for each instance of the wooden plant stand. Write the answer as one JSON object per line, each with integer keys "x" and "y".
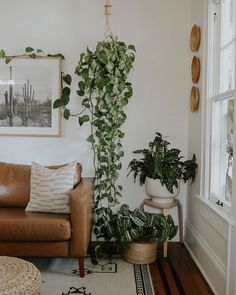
{"x": 165, "y": 207}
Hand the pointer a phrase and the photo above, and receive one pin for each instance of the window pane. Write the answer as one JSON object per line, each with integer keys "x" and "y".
{"x": 227, "y": 68}
{"x": 222, "y": 24}
{"x": 227, "y": 22}
{"x": 222, "y": 149}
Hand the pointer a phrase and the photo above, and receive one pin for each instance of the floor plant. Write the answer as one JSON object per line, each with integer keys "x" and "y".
{"x": 132, "y": 225}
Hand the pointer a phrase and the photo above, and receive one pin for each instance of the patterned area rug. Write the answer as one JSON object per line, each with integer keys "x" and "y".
{"x": 60, "y": 276}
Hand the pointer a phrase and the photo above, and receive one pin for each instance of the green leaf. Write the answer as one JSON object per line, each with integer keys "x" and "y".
{"x": 89, "y": 51}
{"x": 56, "y": 55}
{"x": 97, "y": 123}
{"x": 29, "y": 49}
{"x": 83, "y": 119}
{"x": 137, "y": 221}
{"x": 65, "y": 100}
{"x": 132, "y": 57}
{"x": 81, "y": 85}
{"x": 66, "y": 91}
{"x": 67, "y": 79}
{"x": 121, "y": 154}
{"x": 102, "y": 56}
{"x": 118, "y": 194}
{"x": 124, "y": 207}
{"x": 121, "y": 134}
{"x": 120, "y": 187}
{"x": 80, "y": 92}
{"x": 117, "y": 72}
{"x": 100, "y": 82}
{"x": 128, "y": 237}
{"x": 129, "y": 93}
{"x": 91, "y": 139}
{"x": 119, "y": 166}
{"x": 134, "y": 234}
{"x": 94, "y": 66}
{"x": 152, "y": 220}
{"x": 132, "y": 47}
{"x": 40, "y": 51}
{"x": 84, "y": 73}
{"x": 110, "y": 67}
{"x": 110, "y": 199}
{"x": 140, "y": 214}
{"x": 103, "y": 159}
{"x": 8, "y": 59}
{"x": 2, "y": 53}
{"x": 66, "y": 114}
{"x": 57, "y": 103}
{"x": 86, "y": 103}
{"x": 82, "y": 55}
{"x": 33, "y": 55}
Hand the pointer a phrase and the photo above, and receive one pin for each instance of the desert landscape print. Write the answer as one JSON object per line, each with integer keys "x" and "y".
{"x": 25, "y": 96}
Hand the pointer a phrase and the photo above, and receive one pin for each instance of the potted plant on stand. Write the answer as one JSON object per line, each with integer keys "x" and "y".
{"x": 162, "y": 169}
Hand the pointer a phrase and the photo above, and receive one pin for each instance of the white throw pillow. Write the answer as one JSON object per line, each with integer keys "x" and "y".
{"x": 50, "y": 189}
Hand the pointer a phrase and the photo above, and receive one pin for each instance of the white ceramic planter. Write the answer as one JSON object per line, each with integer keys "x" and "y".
{"x": 158, "y": 192}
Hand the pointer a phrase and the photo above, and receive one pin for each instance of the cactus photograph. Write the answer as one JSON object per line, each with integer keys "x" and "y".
{"x": 28, "y": 88}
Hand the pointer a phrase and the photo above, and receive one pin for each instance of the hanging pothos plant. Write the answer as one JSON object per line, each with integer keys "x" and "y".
{"x": 105, "y": 91}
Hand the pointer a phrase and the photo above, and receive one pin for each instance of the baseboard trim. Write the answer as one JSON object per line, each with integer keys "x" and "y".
{"x": 210, "y": 254}
{"x": 201, "y": 269}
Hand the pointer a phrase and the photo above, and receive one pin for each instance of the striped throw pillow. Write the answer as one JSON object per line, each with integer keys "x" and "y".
{"x": 50, "y": 189}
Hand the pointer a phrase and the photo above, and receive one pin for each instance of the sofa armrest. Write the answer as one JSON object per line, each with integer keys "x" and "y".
{"x": 81, "y": 217}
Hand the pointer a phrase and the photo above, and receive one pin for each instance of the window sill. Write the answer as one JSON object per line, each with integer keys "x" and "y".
{"x": 223, "y": 215}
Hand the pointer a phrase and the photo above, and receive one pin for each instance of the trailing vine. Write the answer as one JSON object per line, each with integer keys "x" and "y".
{"x": 105, "y": 91}
{"x": 30, "y": 52}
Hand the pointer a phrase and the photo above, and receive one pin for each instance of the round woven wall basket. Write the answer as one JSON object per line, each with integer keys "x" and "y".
{"x": 196, "y": 69}
{"x": 195, "y": 38}
{"x": 194, "y": 99}
{"x": 143, "y": 251}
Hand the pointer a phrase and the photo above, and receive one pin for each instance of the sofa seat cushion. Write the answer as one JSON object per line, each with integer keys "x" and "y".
{"x": 18, "y": 225}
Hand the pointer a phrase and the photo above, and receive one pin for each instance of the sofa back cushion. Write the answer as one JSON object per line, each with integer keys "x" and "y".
{"x": 50, "y": 189}
{"x": 15, "y": 183}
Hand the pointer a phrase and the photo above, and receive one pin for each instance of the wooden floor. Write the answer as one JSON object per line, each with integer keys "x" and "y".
{"x": 177, "y": 274}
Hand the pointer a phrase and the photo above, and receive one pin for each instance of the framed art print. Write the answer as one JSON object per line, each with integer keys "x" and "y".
{"x": 28, "y": 88}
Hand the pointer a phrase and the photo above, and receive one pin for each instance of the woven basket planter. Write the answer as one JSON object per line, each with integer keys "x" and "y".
{"x": 143, "y": 251}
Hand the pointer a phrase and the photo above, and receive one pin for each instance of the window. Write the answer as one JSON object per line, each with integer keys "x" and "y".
{"x": 221, "y": 97}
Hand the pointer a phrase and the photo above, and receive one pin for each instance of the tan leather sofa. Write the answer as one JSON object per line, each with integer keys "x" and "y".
{"x": 43, "y": 234}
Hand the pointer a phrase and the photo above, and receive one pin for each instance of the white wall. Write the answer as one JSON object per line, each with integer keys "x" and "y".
{"x": 159, "y": 29}
{"x": 207, "y": 232}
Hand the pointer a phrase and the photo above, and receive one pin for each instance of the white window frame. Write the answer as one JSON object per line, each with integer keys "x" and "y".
{"x": 207, "y": 111}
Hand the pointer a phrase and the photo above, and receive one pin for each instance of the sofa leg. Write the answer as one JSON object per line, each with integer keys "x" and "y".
{"x": 81, "y": 266}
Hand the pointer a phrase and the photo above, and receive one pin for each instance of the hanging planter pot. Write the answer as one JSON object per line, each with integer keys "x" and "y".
{"x": 159, "y": 193}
